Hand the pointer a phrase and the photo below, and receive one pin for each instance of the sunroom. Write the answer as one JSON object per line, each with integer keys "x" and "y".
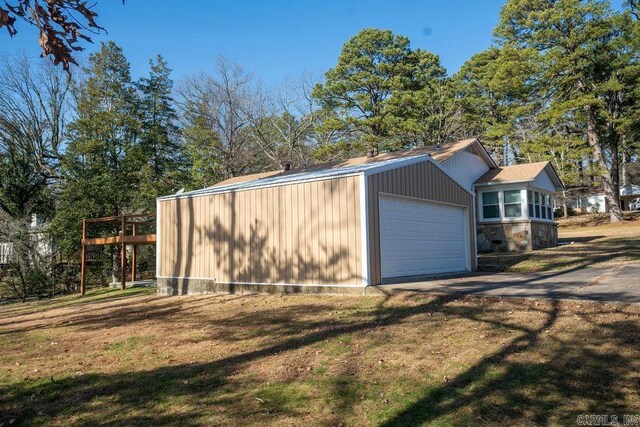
{"x": 515, "y": 208}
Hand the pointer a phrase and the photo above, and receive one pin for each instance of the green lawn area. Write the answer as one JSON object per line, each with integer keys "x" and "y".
{"x": 131, "y": 357}
{"x": 588, "y": 241}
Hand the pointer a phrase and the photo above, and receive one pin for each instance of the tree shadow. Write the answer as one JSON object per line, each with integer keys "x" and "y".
{"x": 223, "y": 242}
{"x": 528, "y": 377}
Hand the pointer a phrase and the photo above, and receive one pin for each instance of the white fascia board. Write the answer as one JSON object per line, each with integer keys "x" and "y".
{"x": 443, "y": 170}
{"x": 158, "y": 236}
{"x": 493, "y": 184}
{"x": 364, "y": 231}
{"x": 223, "y": 190}
{"x": 398, "y": 163}
{"x": 484, "y": 154}
{"x": 366, "y": 169}
{"x": 411, "y": 161}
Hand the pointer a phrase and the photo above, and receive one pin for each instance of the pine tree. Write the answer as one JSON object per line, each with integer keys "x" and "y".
{"x": 373, "y": 85}
{"x": 587, "y": 58}
{"x": 101, "y": 165}
{"x": 164, "y": 171}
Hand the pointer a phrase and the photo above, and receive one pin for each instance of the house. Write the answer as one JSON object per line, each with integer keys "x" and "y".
{"x": 38, "y": 230}
{"x": 346, "y": 225}
{"x": 597, "y": 203}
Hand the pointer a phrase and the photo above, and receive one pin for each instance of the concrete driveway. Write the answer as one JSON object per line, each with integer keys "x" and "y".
{"x": 617, "y": 284}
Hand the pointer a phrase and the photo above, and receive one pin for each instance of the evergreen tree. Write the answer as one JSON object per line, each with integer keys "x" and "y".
{"x": 165, "y": 168}
{"x": 587, "y": 58}
{"x": 101, "y": 165}
{"x": 376, "y": 73}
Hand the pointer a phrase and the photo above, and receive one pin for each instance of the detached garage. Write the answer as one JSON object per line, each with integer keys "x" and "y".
{"x": 335, "y": 227}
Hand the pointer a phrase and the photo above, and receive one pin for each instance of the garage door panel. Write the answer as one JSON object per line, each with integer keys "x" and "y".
{"x": 421, "y": 237}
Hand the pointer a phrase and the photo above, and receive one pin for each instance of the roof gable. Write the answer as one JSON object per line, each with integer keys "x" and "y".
{"x": 526, "y": 172}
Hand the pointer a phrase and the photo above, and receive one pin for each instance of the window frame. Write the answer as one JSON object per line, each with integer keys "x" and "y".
{"x": 505, "y": 204}
{"x": 498, "y": 204}
{"x": 531, "y": 199}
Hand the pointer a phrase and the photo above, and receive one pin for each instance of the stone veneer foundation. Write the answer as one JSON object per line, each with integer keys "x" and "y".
{"x": 516, "y": 236}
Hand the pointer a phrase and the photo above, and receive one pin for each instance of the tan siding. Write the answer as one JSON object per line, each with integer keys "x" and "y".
{"x": 421, "y": 180}
{"x": 307, "y": 233}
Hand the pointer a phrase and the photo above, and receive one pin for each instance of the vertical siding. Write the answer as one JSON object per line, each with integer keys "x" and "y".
{"x": 423, "y": 181}
{"x": 304, "y": 233}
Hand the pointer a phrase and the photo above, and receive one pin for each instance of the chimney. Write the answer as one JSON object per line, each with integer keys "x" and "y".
{"x": 370, "y": 153}
{"x": 286, "y": 167}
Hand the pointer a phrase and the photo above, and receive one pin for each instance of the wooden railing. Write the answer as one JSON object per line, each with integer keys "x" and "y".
{"x": 124, "y": 223}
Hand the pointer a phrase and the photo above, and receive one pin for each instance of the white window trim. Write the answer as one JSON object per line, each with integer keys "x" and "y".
{"x": 481, "y": 205}
{"x": 524, "y": 205}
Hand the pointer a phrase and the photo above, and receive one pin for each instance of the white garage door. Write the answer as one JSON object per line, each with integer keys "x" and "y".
{"x": 419, "y": 237}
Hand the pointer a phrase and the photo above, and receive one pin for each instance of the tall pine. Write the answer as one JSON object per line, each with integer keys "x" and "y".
{"x": 164, "y": 170}
{"x": 101, "y": 165}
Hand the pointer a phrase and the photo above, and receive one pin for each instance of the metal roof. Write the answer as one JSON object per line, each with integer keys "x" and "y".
{"x": 312, "y": 175}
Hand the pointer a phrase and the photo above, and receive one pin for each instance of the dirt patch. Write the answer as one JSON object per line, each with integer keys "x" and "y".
{"x": 125, "y": 358}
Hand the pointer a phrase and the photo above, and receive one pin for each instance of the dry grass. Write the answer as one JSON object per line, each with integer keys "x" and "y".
{"x": 123, "y": 358}
{"x": 588, "y": 241}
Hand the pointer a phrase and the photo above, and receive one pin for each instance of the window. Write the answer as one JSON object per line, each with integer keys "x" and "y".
{"x": 543, "y": 206}
{"x": 549, "y": 207}
{"x": 512, "y": 204}
{"x": 536, "y": 200}
{"x": 490, "y": 205}
{"x": 530, "y": 200}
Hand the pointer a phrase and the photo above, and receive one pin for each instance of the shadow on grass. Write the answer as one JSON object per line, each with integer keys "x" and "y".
{"x": 500, "y": 387}
{"x": 586, "y": 252}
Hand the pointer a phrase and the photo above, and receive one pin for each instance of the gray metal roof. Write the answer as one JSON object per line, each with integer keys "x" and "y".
{"x": 313, "y": 175}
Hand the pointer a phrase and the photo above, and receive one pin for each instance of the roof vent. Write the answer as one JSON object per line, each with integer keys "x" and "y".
{"x": 371, "y": 153}
{"x": 286, "y": 167}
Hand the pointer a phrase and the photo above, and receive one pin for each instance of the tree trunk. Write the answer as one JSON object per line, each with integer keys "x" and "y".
{"x": 611, "y": 192}
{"x": 115, "y": 263}
{"x": 565, "y": 208}
{"x": 626, "y": 158}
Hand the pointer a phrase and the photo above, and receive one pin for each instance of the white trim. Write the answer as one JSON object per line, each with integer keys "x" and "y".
{"x": 318, "y": 285}
{"x": 502, "y": 183}
{"x": 158, "y": 237}
{"x": 365, "y": 168}
{"x": 203, "y": 192}
{"x": 408, "y": 161}
{"x": 475, "y": 233}
{"x": 420, "y": 199}
{"x": 467, "y": 240}
{"x": 364, "y": 231}
{"x": 369, "y": 170}
{"x": 443, "y": 170}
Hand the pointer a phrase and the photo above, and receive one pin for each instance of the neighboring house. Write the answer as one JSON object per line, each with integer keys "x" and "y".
{"x": 627, "y": 194}
{"x": 597, "y": 203}
{"x": 349, "y": 224}
{"x": 37, "y": 228}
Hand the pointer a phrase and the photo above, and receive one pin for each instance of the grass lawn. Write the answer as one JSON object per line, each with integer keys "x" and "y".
{"x": 131, "y": 357}
{"x": 590, "y": 242}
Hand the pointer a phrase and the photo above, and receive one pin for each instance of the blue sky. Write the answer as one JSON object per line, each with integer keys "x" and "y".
{"x": 277, "y": 37}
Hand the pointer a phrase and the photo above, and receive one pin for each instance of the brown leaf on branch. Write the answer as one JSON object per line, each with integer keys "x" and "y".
{"x": 61, "y": 23}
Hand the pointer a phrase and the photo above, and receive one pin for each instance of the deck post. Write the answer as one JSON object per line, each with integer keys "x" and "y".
{"x": 123, "y": 256}
{"x": 134, "y": 257}
{"x": 83, "y": 259}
